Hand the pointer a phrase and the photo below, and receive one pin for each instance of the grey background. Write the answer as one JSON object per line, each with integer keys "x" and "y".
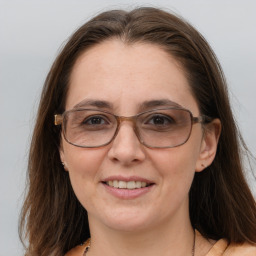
{"x": 32, "y": 32}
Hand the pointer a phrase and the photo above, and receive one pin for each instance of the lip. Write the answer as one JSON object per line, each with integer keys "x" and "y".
{"x": 127, "y": 194}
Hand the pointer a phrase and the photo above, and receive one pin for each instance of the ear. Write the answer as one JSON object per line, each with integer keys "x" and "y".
{"x": 209, "y": 145}
{"x": 62, "y": 156}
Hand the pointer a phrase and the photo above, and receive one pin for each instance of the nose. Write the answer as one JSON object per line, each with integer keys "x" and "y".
{"x": 126, "y": 147}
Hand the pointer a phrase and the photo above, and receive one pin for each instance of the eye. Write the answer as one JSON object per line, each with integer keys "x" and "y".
{"x": 95, "y": 120}
{"x": 160, "y": 120}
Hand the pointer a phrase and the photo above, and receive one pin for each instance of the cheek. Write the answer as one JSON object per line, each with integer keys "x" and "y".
{"x": 84, "y": 166}
{"x": 176, "y": 167}
{"x": 174, "y": 161}
{"x": 82, "y": 160}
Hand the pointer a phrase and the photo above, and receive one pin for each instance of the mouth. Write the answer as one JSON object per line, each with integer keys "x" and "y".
{"x": 128, "y": 187}
{"x": 121, "y": 184}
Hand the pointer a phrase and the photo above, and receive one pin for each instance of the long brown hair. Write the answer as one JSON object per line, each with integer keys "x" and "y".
{"x": 221, "y": 204}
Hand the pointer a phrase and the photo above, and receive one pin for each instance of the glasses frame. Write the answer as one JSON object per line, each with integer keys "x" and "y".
{"x": 60, "y": 118}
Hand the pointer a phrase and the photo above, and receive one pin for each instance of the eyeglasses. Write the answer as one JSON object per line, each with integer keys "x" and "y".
{"x": 158, "y": 128}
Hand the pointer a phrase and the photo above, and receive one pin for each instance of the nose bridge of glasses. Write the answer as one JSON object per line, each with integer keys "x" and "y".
{"x": 131, "y": 119}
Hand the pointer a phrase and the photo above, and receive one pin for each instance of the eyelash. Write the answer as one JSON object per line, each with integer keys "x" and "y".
{"x": 88, "y": 119}
{"x": 164, "y": 117}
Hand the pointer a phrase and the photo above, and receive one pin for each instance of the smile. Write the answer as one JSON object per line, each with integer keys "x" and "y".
{"x": 127, "y": 184}
{"x": 127, "y": 187}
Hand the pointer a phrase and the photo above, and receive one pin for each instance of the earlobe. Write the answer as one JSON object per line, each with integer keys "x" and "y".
{"x": 209, "y": 145}
{"x": 62, "y": 157}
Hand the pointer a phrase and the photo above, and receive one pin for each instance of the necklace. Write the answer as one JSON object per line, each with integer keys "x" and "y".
{"x": 88, "y": 244}
{"x": 194, "y": 244}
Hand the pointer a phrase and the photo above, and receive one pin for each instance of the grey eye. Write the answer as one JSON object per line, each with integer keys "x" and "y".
{"x": 95, "y": 120}
{"x": 159, "y": 119}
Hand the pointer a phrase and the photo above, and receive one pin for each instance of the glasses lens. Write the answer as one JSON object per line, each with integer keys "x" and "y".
{"x": 89, "y": 128}
{"x": 161, "y": 128}
{"x": 164, "y": 128}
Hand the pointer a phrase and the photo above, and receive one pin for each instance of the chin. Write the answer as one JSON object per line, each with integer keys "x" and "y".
{"x": 128, "y": 226}
{"x": 128, "y": 221}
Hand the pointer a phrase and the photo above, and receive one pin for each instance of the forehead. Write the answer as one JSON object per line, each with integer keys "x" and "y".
{"x": 127, "y": 75}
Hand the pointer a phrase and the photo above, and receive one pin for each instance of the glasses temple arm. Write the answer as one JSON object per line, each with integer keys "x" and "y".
{"x": 202, "y": 119}
{"x": 58, "y": 119}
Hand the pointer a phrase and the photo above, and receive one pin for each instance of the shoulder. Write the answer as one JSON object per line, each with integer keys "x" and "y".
{"x": 222, "y": 248}
{"x": 79, "y": 250}
{"x": 244, "y": 249}
{"x": 76, "y": 251}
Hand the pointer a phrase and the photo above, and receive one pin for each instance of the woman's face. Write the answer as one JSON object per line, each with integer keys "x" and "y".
{"x": 126, "y": 77}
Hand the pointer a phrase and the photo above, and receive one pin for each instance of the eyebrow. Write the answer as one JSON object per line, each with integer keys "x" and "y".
{"x": 94, "y": 103}
{"x": 143, "y": 106}
{"x": 158, "y": 103}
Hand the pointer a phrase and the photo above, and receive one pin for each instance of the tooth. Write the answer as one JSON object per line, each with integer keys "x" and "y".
{"x": 126, "y": 185}
{"x": 143, "y": 184}
{"x": 122, "y": 184}
{"x": 138, "y": 184}
{"x": 131, "y": 185}
{"x": 115, "y": 184}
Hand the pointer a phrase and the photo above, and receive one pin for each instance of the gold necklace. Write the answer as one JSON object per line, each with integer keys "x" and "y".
{"x": 88, "y": 244}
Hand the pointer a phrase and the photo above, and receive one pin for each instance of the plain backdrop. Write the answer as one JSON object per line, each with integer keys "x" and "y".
{"x": 32, "y": 32}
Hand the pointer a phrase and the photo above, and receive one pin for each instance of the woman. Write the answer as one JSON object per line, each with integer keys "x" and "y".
{"x": 144, "y": 155}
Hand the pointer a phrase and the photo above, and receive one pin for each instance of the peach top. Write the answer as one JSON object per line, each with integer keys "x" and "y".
{"x": 220, "y": 248}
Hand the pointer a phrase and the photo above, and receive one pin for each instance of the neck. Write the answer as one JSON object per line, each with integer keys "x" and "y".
{"x": 173, "y": 238}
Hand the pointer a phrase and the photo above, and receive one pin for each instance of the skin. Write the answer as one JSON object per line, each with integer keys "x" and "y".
{"x": 156, "y": 223}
